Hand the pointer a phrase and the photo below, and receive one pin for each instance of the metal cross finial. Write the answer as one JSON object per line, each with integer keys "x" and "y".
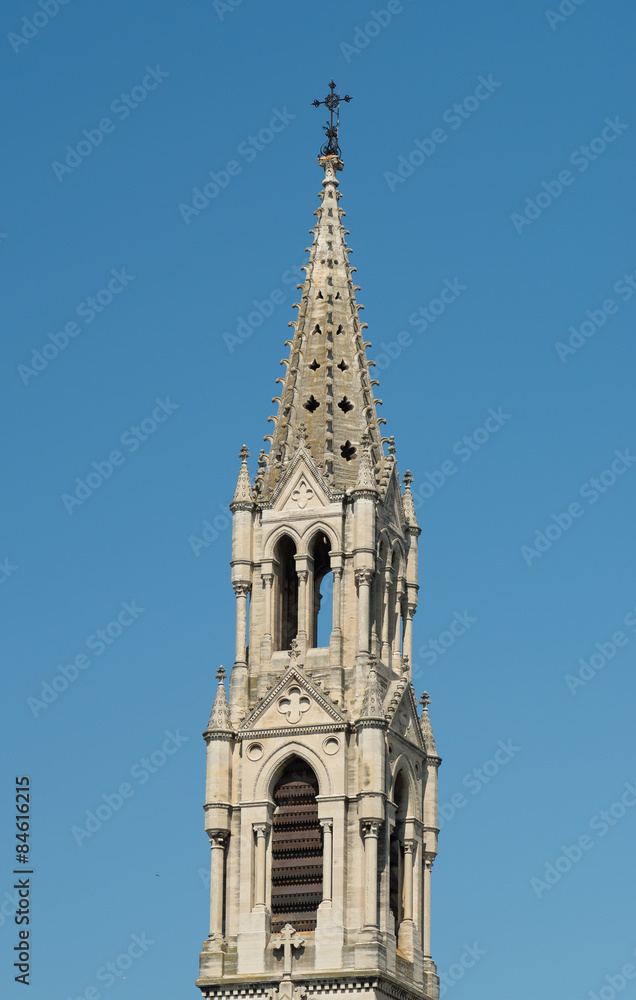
{"x": 220, "y": 674}
{"x": 332, "y": 102}
{"x": 425, "y": 701}
{"x": 287, "y": 939}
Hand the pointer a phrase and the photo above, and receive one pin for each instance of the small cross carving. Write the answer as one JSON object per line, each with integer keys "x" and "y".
{"x": 287, "y": 939}
{"x": 408, "y": 478}
{"x": 244, "y": 453}
{"x": 425, "y": 701}
{"x": 294, "y": 705}
{"x": 220, "y": 674}
{"x": 293, "y": 652}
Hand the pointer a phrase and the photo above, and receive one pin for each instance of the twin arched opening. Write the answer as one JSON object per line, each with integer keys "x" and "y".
{"x": 307, "y": 611}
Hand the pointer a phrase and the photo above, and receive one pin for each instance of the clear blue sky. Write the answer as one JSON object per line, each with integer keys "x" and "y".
{"x": 500, "y": 199}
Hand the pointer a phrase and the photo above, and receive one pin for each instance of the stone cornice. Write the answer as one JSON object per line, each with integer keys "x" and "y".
{"x": 323, "y": 984}
{"x": 325, "y": 727}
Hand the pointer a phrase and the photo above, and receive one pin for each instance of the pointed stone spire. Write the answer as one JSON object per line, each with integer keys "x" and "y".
{"x": 407, "y": 500}
{"x": 327, "y": 386}
{"x": 243, "y": 491}
{"x": 366, "y": 477}
{"x": 427, "y": 729}
{"x": 372, "y": 706}
{"x": 220, "y": 715}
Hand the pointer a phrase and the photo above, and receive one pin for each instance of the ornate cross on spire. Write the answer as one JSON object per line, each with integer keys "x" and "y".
{"x": 425, "y": 701}
{"x": 287, "y": 939}
{"x": 332, "y": 102}
{"x": 220, "y": 674}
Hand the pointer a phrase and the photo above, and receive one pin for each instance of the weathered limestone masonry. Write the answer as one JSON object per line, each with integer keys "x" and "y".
{"x": 321, "y": 792}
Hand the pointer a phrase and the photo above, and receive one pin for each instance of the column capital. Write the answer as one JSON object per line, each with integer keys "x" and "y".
{"x": 428, "y": 860}
{"x": 218, "y": 838}
{"x": 260, "y": 829}
{"x": 326, "y": 824}
{"x": 370, "y": 828}
{"x": 363, "y": 577}
{"x": 410, "y": 846}
{"x": 241, "y": 589}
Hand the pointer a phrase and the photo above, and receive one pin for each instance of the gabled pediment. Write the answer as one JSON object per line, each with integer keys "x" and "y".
{"x": 302, "y": 487}
{"x": 401, "y": 713}
{"x": 294, "y": 702}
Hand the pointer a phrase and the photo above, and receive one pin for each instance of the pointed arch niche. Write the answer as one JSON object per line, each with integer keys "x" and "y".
{"x": 321, "y": 606}
{"x": 297, "y": 855}
{"x": 285, "y": 593}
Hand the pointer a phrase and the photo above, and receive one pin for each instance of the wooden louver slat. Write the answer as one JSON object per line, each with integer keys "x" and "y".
{"x": 296, "y": 849}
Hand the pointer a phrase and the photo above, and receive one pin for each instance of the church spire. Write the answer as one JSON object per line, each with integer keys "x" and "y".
{"x": 220, "y": 716}
{"x": 327, "y": 385}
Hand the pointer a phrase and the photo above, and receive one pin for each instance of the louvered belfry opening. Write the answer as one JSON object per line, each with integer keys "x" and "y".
{"x": 296, "y": 849}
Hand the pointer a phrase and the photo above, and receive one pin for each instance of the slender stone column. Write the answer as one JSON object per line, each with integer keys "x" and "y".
{"x": 397, "y": 622}
{"x": 260, "y": 830}
{"x": 408, "y": 632}
{"x": 303, "y": 606}
{"x": 407, "y": 891}
{"x": 336, "y": 627}
{"x": 218, "y": 840}
{"x": 385, "y": 649}
{"x": 327, "y": 856}
{"x": 426, "y": 922}
{"x": 370, "y": 830}
{"x": 241, "y": 590}
{"x": 363, "y": 581}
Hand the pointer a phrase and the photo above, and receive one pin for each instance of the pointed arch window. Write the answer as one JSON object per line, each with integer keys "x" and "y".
{"x": 285, "y": 594}
{"x": 396, "y": 851}
{"x": 296, "y": 849}
{"x": 322, "y": 605}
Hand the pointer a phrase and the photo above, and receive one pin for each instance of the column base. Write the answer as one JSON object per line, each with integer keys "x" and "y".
{"x": 430, "y": 979}
{"x": 252, "y": 941}
{"x": 212, "y": 958}
{"x": 406, "y": 939}
{"x": 329, "y": 937}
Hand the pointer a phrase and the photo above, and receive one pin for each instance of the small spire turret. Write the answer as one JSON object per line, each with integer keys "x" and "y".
{"x": 427, "y": 729}
{"x": 243, "y": 491}
{"x": 220, "y": 716}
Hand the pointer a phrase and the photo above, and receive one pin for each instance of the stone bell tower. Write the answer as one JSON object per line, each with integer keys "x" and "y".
{"x": 321, "y": 791}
